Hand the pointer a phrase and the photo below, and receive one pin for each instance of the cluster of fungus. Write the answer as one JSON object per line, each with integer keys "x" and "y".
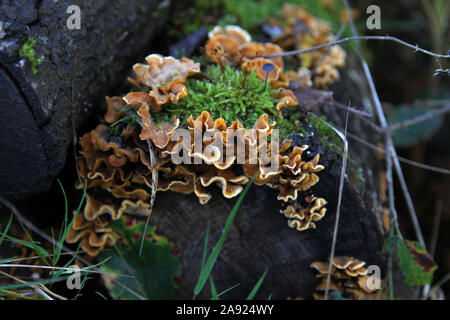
{"x": 305, "y": 218}
{"x": 301, "y": 30}
{"x": 233, "y": 45}
{"x": 348, "y": 276}
{"x": 140, "y": 136}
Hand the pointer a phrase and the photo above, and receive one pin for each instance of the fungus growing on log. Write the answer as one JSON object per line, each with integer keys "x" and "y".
{"x": 349, "y": 277}
{"x": 223, "y": 151}
{"x": 305, "y": 218}
{"x": 165, "y": 76}
{"x": 303, "y": 31}
{"x": 93, "y": 235}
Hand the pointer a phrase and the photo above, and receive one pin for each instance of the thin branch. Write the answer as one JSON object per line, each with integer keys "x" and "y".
{"x": 74, "y": 131}
{"x": 341, "y": 30}
{"x": 356, "y": 38}
{"x": 436, "y": 222}
{"x": 390, "y": 180}
{"x": 154, "y": 189}
{"x": 8, "y": 265}
{"x": 352, "y": 110}
{"x": 338, "y": 209}
{"x": 439, "y": 284}
{"x": 33, "y": 257}
{"x": 419, "y": 119}
{"x": 34, "y": 287}
{"x": 405, "y": 160}
{"x": 384, "y": 125}
{"x": 57, "y": 296}
{"x": 409, "y": 202}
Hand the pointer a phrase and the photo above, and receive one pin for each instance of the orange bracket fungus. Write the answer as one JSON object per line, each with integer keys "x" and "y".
{"x": 348, "y": 276}
{"x": 194, "y": 146}
{"x": 303, "y": 31}
{"x": 305, "y": 218}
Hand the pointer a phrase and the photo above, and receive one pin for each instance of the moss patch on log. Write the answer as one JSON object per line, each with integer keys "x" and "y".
{"x": 27, "y": 51}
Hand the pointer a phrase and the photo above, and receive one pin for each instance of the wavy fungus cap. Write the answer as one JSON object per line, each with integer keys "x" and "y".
{"x": 114, "y": 109}
{"x": 287, "y": 99}
{"x": 303, "y": 30}
{"x": 234, "y": 32}
{"x": 159, "y": 134}
{"x": 90, "y": 227}
{"x": 160, "y": 70}
{"x": 305, "y": 218}
{"x": 165, "y": 76}
{"x": 348, "y": 276}
{"x": 252, "y": 50}
{"x": 223, "y": 43}
{"x": 294, "y": 175}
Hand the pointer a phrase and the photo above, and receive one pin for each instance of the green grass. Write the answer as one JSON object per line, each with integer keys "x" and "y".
{"x": 50, "y": 259}
{"x": 211, "y": 261}
{"x": 208, "y": 263}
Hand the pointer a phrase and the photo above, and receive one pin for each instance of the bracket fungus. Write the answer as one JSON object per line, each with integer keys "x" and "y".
{"x": 349, "y": 277}
{"x": 165, "y": 76}
{"x": 302, "y": 31}
{"x": 170, "y": 115}
{"x": 305, "y": 218}
{"x": 92, "y": 235}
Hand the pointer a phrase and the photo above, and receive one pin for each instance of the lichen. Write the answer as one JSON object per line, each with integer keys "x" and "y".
{"x": 27, "y": 51}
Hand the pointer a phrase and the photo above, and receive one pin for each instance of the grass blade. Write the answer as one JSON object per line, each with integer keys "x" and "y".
{"x": 207, "y": 268}
{"x": 230, "y": 288}
{"x": 66, "y": 227}
{"x": 214, "y": 294}
{"x": 41, "y": 252}
{"x": 6, "y": 229}
{"x": 101, "y": 295}
{"x": 257, "y": 286}
{"x": 32, "y": 283}
{"x": 205, "y": 245}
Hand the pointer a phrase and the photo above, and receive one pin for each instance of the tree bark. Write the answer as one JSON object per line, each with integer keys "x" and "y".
{"x": 40, "y": 112}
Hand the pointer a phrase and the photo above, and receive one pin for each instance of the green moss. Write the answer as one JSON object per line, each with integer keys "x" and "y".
{"x": 329, "y": 139}
{"x": 229, "y": 94}
{"x": 249, "y": 14}
{"x": 130, "y": 120}
{"x": 27, "y": 51}
{"x": 332, "y": 142}
{"x": 358, "y": 173}
{"x": 226, "y": 93}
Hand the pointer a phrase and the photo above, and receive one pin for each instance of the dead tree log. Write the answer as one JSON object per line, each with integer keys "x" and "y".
{"x": 40, "y": 111}
{"x": 260, "y": 238}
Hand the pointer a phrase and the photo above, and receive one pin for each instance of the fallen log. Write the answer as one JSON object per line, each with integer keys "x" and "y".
{"x": 51, "y": 74}
{"x": 260, "y": 238}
